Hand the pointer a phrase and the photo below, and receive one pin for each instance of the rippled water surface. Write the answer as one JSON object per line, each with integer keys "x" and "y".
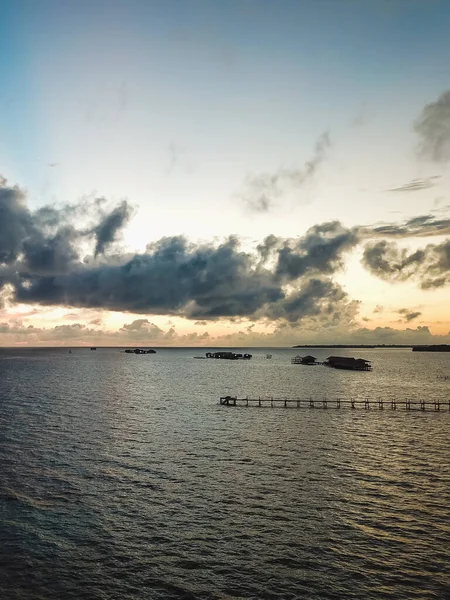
{"x": 122, "y": 478}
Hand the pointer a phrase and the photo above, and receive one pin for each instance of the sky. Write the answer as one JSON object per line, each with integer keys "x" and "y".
{"x": 240, "y": 173}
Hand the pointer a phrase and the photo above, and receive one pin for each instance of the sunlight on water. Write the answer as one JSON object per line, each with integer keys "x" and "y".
{"x": 122, "y": 477}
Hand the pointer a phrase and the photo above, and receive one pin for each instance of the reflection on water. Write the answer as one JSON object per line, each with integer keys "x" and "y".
{"x": 122, "y": 477}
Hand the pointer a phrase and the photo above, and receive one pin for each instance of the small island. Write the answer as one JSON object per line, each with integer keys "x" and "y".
{"x": 434, "y": 348}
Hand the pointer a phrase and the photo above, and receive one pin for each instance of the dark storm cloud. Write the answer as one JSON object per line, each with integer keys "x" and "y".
{"x": 429, "y": 266}
{"x": 46, "y": 241}
{"x": 51, "y": 258}
{"x": 433, "y": 129}
{"x": 15, "y": 222}
{"x": 173, "y": 276}
{"x": 263, "y": 189}
{"x": 50, "y": 254}
{"x": 388, "y": 261}
{"x": 321, "y": 249}
{"x": 107, "y": 230}
{"x": 416, "y": 185}
{"x": 315, "y": 297}
{"x": 409, "y": 315}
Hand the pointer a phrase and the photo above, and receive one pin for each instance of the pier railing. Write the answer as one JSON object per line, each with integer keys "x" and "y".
{"x": 337, "y": 403}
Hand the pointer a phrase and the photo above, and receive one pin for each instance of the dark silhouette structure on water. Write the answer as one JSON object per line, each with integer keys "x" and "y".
{"x": 337, "y": 403}
{"x": 347, "y": 363}
{"x": 304, "y": 360}
{"x": 435, "y": 348}
{"x": 228, "y": 355}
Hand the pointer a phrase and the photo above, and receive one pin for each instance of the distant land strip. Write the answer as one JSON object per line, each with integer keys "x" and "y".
{"x": 354, "y": 346}
{"x": 420, "y": 348}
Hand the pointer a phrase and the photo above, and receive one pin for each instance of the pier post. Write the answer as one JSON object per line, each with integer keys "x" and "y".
{"x": 338, "y": 403}
{"x": 422, "y": 405}
{"x": 352, "y": 403}
{"x": 311, "y": 403}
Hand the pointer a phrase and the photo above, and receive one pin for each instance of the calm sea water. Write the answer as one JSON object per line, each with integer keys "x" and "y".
{"x": 122, "y": 478}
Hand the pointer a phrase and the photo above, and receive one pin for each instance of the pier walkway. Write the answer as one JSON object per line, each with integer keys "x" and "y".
{"x": 325, "y": 403}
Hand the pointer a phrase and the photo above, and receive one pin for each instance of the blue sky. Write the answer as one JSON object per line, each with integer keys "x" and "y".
{"x": 177, "y": 105}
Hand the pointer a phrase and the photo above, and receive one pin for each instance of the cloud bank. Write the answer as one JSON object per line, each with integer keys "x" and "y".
{"x": 68, "y": 256}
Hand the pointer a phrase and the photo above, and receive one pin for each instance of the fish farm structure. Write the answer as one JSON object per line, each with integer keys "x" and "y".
{"x": 337, "y": 403}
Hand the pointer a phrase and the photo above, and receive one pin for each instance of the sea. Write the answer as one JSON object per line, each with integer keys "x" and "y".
{"x": 123, "y": 478}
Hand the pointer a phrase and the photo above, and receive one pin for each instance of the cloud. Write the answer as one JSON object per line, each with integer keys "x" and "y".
{"x": 288, "y": 335}
{"x": 15, "y": 222}
{"x": 173, "y": 276}
{"x": 139, "y": 332}
{"x": 420, "y": 226}
{"x": 264, "y": 189}
{"x": 416, "y": 185}
{"x": 429, "y": 266}
{"x": 112, "y": 223}
{"x": 61, "y": 256}
{"x": 433, "y": 129}
{"x": 409, "y": 315}
{"x": 321, "y": 249}
{"x": 143, "y": 328}
{"x": 282, "y": 334}
{"x": 46, "y": 241}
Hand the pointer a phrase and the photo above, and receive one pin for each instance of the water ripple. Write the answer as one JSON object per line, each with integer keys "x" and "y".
{"x": 123, "y": 479}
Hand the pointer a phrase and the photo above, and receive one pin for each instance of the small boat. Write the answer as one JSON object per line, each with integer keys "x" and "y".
{"x": 93, "y": 348}
{"x": 268, "y": 356}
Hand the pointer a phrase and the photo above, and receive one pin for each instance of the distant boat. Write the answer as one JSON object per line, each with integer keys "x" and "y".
{"x": 268, "y": 356}
{"x": 70, "y": 351}
{"x": 93, "y": 348}
{"x": 140, "y": 351}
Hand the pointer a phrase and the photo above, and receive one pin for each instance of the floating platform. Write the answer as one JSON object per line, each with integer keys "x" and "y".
{"x": 228, "y": 355}
{"x": 337, "y": 403}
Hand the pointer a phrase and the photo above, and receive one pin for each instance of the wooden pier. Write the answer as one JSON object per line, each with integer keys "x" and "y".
{"x": 325, "y": 403}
